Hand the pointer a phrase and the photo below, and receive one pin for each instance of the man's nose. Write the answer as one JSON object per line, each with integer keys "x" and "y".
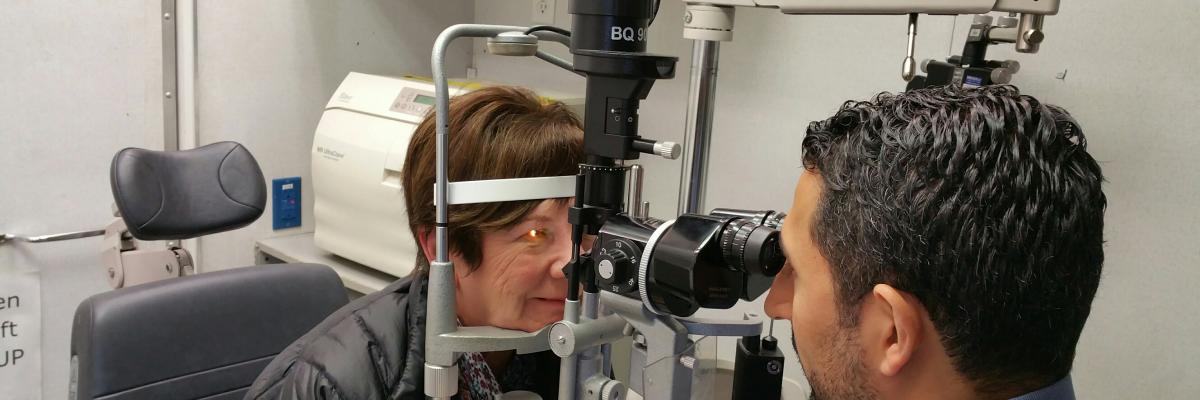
{"x": 777, "y": 309}
{"x": 778, "y": 304}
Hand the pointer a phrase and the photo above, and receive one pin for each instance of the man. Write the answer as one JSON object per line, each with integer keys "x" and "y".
{"x": 942, "y": 244}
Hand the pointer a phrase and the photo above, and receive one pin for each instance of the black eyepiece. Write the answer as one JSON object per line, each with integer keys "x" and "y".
{"x": 751, "y": 248}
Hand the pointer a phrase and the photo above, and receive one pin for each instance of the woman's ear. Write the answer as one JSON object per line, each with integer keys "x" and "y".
{"x": 426, "y": 242}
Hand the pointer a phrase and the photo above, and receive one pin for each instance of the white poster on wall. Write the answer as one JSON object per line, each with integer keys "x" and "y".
{"x": 20, "y": 335}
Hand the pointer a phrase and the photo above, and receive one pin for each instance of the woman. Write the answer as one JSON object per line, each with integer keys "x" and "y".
{"x": 508, "y": 260}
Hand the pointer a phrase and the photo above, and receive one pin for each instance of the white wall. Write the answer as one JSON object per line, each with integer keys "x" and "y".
{"x": 1128, "y": 83}
{"x": 1138, "y": 110}
{"x": 267, "y": 68}
{"x": 80, "y": 80}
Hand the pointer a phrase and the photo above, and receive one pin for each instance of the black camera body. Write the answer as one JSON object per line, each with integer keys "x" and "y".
{"x": 694, "y": 261}
{"x": 677, "y": 266}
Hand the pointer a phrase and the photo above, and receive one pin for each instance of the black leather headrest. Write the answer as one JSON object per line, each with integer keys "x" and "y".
{"x": 171, "y": 195}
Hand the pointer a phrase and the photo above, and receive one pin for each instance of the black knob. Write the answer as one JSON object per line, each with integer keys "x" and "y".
{"x": 616, "y": 266}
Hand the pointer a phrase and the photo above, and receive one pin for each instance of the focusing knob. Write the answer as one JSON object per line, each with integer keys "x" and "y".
{"x": 610, "y": 265}
{"x": 616, "y": 266}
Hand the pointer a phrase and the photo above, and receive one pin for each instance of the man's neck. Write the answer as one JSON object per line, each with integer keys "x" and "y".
{"x": 929, "y": 374}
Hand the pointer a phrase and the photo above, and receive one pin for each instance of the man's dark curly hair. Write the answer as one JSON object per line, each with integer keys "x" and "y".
{"x": 982, "y": 203}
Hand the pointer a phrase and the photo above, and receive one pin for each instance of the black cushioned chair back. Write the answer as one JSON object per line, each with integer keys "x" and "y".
{"x": 205, "y": 336}
{"x": 170, "y": 195}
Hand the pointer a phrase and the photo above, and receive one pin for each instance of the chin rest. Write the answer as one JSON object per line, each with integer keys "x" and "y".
{"x": 172, "y": 195}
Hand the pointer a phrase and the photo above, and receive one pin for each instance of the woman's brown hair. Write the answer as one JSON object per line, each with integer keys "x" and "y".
{"x": 497, "y": 132}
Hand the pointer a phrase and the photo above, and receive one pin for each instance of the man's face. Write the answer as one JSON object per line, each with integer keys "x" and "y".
{"x": 804, "y": 293}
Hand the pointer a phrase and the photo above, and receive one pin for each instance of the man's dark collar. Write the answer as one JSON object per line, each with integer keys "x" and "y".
{"x": 1061, "y": 390}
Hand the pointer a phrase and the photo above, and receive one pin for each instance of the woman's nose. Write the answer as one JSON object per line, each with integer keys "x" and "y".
{"x": 561, "y": 257}
{"x": 557, "y": 271}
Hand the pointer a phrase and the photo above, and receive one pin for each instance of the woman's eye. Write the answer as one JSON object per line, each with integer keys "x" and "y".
{"x": 535, "y": 236}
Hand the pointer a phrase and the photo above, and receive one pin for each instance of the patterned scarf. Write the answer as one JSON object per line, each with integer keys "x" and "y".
{"x": 476, "y": 381}
{"x": 475, "y": 378}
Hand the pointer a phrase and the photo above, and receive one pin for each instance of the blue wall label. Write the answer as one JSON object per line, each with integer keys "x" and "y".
{"x": 285, "y": 203}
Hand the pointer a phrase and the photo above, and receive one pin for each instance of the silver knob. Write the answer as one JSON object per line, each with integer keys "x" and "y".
{"x": 909, "y": 71}
{"x": 667, "y": 150}
{"x": 1001, "y": 76}
{"x": 1012, "y": 65}
{"x": 613, "y": 390}
{"x": 1034, "y": 36}
{"x": 606, "y": 269}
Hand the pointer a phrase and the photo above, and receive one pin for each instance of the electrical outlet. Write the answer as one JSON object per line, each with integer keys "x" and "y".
{"x": 285, "y": 196}
{"x": 543, "y": 11}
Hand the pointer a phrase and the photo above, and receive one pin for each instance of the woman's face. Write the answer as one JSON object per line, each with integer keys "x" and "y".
{"x": 519, "y": 283}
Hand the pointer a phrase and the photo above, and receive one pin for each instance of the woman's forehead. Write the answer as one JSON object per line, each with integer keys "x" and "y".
{"x": 549, "y": 210}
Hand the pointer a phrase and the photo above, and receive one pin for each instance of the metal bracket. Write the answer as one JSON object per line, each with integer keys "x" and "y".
{"x": 720, "y": 327}
{"x": 486, "y": 338}
{"x": 170, "y": 83}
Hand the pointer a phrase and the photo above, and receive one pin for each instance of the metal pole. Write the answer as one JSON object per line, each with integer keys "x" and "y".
{"x": 569, "y": 366}
{"x": 183, "y": 110}
{"x": 441, "y": 372}
{"x": 698, "y": 131}
{"x": 170, "y": 82}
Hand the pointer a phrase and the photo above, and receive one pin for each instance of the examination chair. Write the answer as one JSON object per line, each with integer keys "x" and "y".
{"x": 204, "y": 336}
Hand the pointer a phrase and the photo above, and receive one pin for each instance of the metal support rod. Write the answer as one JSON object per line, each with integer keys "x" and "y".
{"x": 636, "y": 178}
{"x": 441, "y": 372}
{"x": 8, "y": 237}
{"x": 559, "y": 62}
{"x": 185, "y": 58}
{"x": 569, "y": 365}
{"x": 186, "y": 98}
{"x": 698, "y": 131}
{"x": 550, "y": 58}
{"x": 588, "y": 362}
{"x": 552, "y": 36}
{"x": 170, "y": 73}
{"x": 909, "y": 70}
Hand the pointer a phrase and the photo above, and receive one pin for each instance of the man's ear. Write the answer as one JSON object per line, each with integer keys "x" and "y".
{"x": 426, "y": 242}
{"x": 894, "y": 328}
